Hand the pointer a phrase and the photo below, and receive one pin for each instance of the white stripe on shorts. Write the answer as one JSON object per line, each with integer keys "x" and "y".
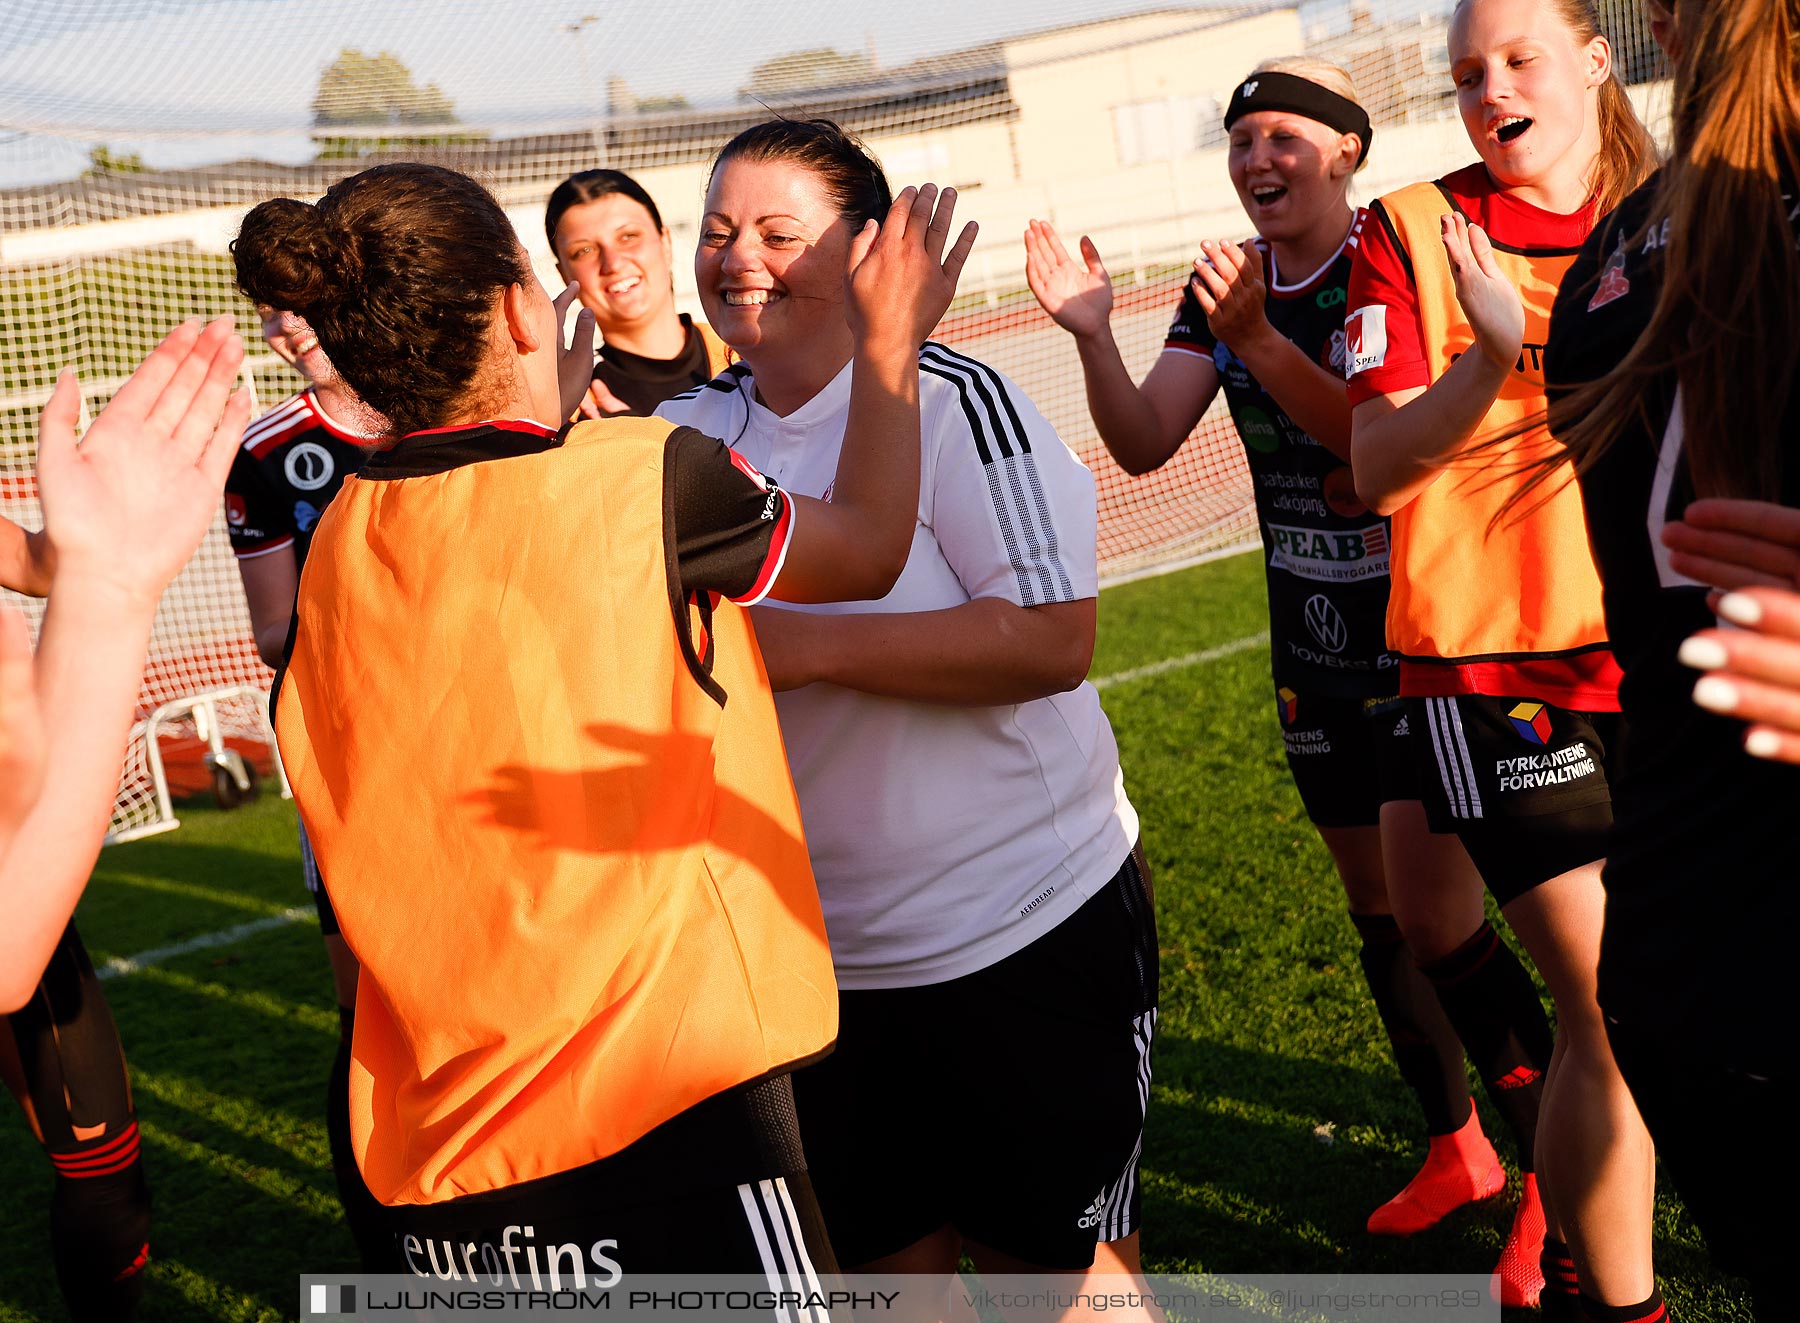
{"x": 1455, "y": 765}
{"x": 1115, "y": 1223}
{"x": 806, "y": 1264}
{"x": 759, "y": 1231}
{"x": 1446, "y": 770}
{"x": 1460, "y": 742}
{"x": 769, "y": 1209}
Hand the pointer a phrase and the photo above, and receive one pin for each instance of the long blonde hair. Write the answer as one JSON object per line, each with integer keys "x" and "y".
{"x": 1727, "y": 316}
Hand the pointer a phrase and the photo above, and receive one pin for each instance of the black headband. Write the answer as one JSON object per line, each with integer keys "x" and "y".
{"x": 1302, "y": 96}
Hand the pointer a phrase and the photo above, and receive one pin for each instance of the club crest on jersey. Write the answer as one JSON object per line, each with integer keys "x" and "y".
{"x": 1287, "y": 702}
{"x": 1613, "y": 284}
{"x": 309, "y": 466}
{"x": 1335, "y": 357}
{"x": 1532, "y": 722}
{"x": 1365, "y": 338}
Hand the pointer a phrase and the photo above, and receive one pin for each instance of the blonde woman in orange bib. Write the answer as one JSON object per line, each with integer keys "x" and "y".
{"x": 1505, "y": 662}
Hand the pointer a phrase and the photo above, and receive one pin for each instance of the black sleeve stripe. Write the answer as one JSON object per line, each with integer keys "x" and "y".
{"x": 1387, "y": 223}
{"x": 985, "y": 378}
{"x": 1039, "y": 569}
{"x": 978, "y": 428}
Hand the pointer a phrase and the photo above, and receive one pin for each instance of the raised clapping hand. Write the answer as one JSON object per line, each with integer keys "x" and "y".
{"x": 1489, "y": 300}
{"x": 128, "y": 505}
{"x": 1077, "y": 295}
{"x": 1752, "y": 672}
{"x": 125, "y": 507}
{"x": 575, "y": 361}
{"x": 900, "y": 280}
{"x": 1230, "y": 285}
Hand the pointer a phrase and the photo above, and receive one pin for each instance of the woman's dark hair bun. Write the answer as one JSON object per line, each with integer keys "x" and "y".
{"x": 286, "y": 257}
{"x": 398, "y": 270}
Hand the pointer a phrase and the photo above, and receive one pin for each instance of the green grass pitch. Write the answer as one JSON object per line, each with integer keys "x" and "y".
{"x": 1267, "y": 1046}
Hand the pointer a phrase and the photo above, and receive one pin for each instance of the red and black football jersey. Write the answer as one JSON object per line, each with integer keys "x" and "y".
{"x": 292, "y": 462}
{"x": 1326, "y": 553}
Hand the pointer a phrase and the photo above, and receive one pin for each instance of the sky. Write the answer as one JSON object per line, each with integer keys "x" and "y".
{"x": 188, "y": 81}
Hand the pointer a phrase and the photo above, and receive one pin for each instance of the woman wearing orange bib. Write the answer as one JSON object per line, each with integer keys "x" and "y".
{"x": 533, "y": 744}
{"x": 1510, "y": 684}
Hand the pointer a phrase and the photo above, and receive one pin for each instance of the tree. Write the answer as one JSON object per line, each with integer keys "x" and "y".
{"x": 371, "y": 93}
{"x": 357, "y": 89}
{"x": 103, "y": 160}
{"x": 786, "y": 76}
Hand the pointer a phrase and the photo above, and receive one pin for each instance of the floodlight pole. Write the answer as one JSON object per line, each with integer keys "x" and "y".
{"x": 595, "y": 130}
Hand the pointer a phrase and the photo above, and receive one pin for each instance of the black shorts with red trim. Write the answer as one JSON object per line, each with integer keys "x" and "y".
{"x": 1008, "y": 1103}
{"x": 1525, "y": 785}
{"x": 720, "y": 1189}
{"x": 1349, "y": 756}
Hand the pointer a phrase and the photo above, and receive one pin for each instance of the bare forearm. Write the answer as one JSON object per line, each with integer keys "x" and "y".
{"x": 1313, "y": 396}
{"x": 866, "y": 531}
{"x": 1137, "y": 437}
{"x": 90, "y": 659}
{"x": 25, "y": 560}
{"x": 1399, "y": 452}
{"x": 985, "y": 653}
{"x": 270, "y": 644}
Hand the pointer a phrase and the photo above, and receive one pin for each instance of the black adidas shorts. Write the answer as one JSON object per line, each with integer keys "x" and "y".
{"x": 721, "y": 1188}
{"x": 1524, "y": 785}
{"x": 1008, "y": 1103}
{"x": 1349, "y": 756}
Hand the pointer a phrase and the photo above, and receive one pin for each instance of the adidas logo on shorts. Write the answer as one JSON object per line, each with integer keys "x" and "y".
{"x": 1401, "y": 728}
{"x": 1095, "y": 1211}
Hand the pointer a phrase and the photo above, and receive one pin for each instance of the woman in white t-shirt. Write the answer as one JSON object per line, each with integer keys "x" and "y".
{"x": 965, "y": 813}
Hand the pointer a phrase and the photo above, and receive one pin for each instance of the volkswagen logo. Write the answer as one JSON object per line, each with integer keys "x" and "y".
{"x": 1325, "y": 624}
{"x": 310, "y": 466}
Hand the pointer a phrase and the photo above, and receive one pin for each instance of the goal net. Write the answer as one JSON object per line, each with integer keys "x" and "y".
{"x": 133, "y": 136}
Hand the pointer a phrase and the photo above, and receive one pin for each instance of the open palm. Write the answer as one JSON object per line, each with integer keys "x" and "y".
{"x": 1077, "y": 295}
{"x": 902, "y": 274}
{"x": 130, "y": 501}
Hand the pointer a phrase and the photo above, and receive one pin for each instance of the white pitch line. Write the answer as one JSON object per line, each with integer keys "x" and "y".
{"x": 117, "y": 967}
{"x": 1179, "y": 663}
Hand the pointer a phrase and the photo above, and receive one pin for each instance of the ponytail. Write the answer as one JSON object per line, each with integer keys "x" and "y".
{"x": 1627, "y": 151}
{"x": 1727, "y": 316}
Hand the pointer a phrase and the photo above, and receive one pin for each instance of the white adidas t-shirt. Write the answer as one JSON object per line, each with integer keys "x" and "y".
{"x": 945, "y": 839}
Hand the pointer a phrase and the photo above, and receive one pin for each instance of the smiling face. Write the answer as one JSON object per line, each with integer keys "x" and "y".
{"x": 1291, "y": 173}
{"x": 770, "y": 265}
{"x": 294, "y": 343}
{"x": 1528, "y": 91}
{"x": 613, "y": 250}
